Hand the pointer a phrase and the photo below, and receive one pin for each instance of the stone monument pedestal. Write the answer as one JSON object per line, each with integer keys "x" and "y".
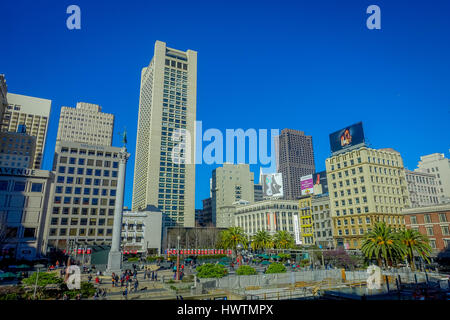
{"x": 114, "y": 263}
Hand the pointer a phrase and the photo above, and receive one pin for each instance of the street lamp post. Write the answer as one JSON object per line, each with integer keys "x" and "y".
{"x": 178, "y": 257}
{"x": 239, "y": 249}
{"x": 38, "y": 266}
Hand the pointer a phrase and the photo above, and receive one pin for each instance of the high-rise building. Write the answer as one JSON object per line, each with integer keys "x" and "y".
{"x": 422, "y": 188}
{"x": 29, "y": 114}
{"x": 306, "y": 219}
{"x": 295, "y": 160}
{"x": 87, "y": 124}
{"x": 3, "y": 96}
{"x": 230, "y": 183}
{"x": 167, "y": 104}
{"x": 438, "y": 165}
{"x": 365, "y": 186}
{"x": 17, "y": 150}
{"x": 83, "y": 195}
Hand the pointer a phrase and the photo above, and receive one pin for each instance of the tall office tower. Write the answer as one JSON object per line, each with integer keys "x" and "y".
{"x": 167, "y": 103}
{"x": 230, "y": 183}
{"x": 296, "y": 159}
{"x": 438, "y": 165}
{"x": 422, "y": 188}
{"x": 365, "y": 186}
{"x": 83, "y": 195}
{"x": 31, "y": 113}
{"x": 87, "y": 124}
{"x": 3, "y": 96}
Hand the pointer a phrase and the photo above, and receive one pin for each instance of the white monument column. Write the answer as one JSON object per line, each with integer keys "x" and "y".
{"x": 115, "y": 254}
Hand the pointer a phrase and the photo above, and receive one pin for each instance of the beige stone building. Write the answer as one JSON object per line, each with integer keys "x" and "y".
{"x": 270, "y": 215}
{"x": 365, "y": 186}
{"x": 33, "y": 115}
{"x": 82, "y": 197}
{"x": 86, "y": 124}
{"x": 167, "y": 104}
{"x": 438, "y": 165}
{"x": 422, "y": 188}
{"x": 231, "y": 183}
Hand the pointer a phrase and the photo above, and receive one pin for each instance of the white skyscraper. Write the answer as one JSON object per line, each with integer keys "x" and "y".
{"x": 168, "y": 101}
{"x": 438, "y": 165}
{"x": 86, "y": 124}
{"x": 31, "y": 115}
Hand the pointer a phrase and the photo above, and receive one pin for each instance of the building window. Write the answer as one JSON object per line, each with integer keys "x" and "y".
{"x": 36, "y": 187}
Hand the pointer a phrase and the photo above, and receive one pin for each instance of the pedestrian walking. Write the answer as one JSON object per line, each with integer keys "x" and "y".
{"x": 113, "y": 279}
{"x": 156, "y": 276}
{"x": 145, "y": 273}
{"x": 125, "y": 293}
{"x": 89, "y": 278}
{"x": 136, "y": 285}
{"x": 153, "y": 275}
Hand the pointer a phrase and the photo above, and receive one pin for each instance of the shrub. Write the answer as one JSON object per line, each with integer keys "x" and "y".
{"x": 133, "y": 259}
{"x": 284, "y": 256}
{"x": 43, "y": 280}
{"x": 245, "y": 271}
{"x": 210, "y": 270}
{"x": 276, "y": 267}
{"x": 154, "y": 258}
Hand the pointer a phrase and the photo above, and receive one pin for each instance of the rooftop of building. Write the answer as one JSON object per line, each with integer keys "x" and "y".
{"x": 428, "y": 209}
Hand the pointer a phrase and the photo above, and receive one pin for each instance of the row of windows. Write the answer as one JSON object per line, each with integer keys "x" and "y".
{"x": 84, "y": 201}
{"x": 21, "y": 186}
{"x": 86, "y": 191}
{"x": 88, "y": 172}
{"x": 86, "y": 181}
{"x": 80, "y": 232}
{"x": 427, "y": 218}
{"x": 89, "y": 162}
{"x": 82, "y": 211}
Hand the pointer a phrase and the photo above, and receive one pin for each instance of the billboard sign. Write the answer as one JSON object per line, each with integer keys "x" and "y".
{"x": 307, "y": 184}
{"x": 348, "y": 137}
{"x": 296, "y": 230}
{"x": 320, "y": 182}
{"x": 273, "y": 185}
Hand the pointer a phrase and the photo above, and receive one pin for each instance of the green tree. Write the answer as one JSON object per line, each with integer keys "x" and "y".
{"x": 261, "y": 240}
{"x": 44, "y": 279}
{"x": 231, "y": 237}
{"x": 276, "y": 267}
{"x": 415, "y": 244}
{"x": 209, "y": 270}
{"x": 383, "y": 244}
{"x": 283, "y": 240}
{"x": 245, "y": 270}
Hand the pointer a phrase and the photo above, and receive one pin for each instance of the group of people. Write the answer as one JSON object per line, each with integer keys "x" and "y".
{"x": 153, "y": 275}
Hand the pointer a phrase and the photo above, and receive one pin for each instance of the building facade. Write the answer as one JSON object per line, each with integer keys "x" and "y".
{"x": 432, "y": 221}
{"x": 438, "y": 165}
{"x": 17, "y": 150}
{"x": 270, "y": 215}
{"x": 323, "y": 223}
{"x": 167, "y": 104}
{"x": 258, "y": 194}
{"x": 365, "y": 186}
{"x": 83, "y": 195}
{"x": 32, "y": 114}
{"x": 86, "y": 124}
{"x": 23, "y": 207}
{"x": 230, "y": 183}
{"x": 295, "y": 160}
{"x": 422, "y": 188}
{"x": 142, "y": 231}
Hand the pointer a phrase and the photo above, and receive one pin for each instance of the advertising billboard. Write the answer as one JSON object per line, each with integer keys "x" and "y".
{"x": 273, "y": 185}
{"x": 320, "y": 182}
{"x": 346, "y": 138}
{"x": 307, "y": 184}
{"x": 296, "y": 230}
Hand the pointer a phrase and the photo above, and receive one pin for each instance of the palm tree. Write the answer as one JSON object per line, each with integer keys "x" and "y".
{"x": 261, "y": 240}
{"x": 415, "y": 243}
{"x": 283, "y": 240}
{"x": 231, "y": 237}
{"x": 382, "y": 243}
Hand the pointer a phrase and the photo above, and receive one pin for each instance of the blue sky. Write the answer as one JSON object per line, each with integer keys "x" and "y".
{"x": 306, "y": 65}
